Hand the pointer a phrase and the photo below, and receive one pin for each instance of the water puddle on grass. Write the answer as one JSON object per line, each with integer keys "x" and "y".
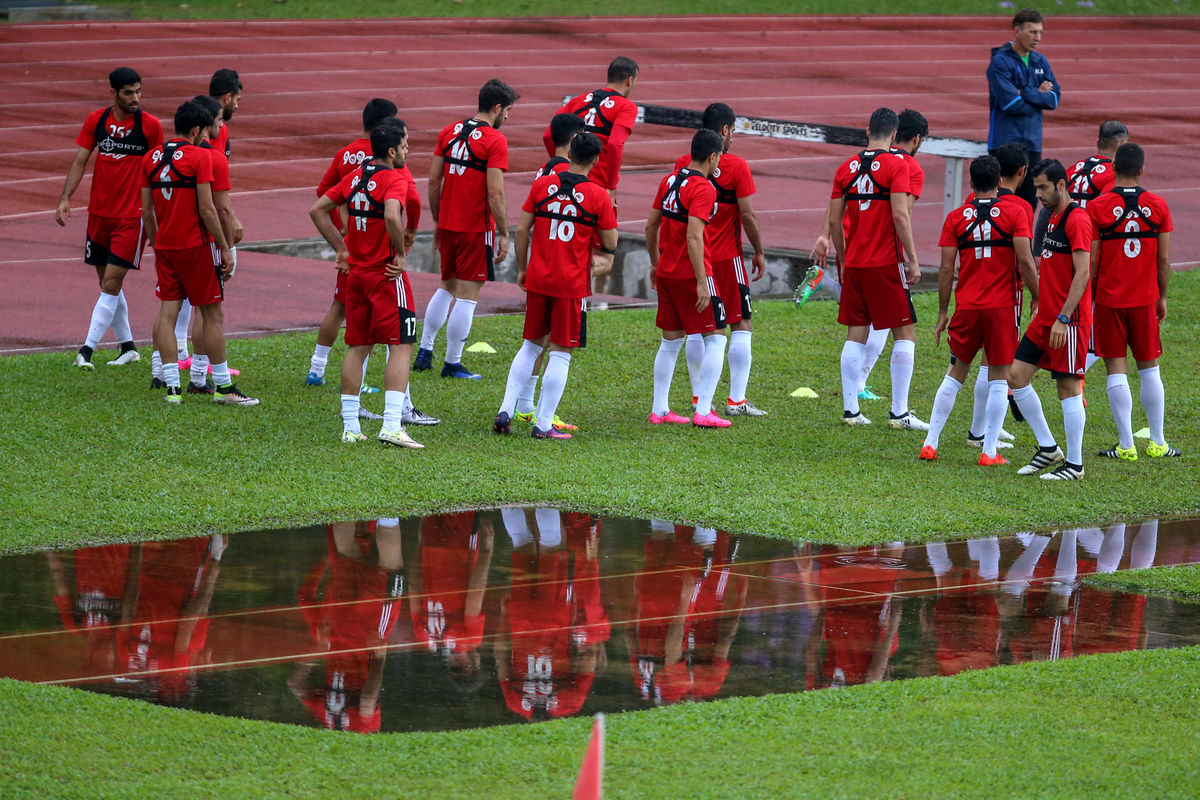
{"x": 484, "y": 618}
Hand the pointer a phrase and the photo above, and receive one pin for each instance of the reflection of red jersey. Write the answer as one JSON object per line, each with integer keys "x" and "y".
{"x": 469, "y": 148}
{"x": 366, "y": 191}
{"x": 1128, "y": 221}
{"x": 983, "y": 231}
{"x": 100, "y": 578}
{"x": 353, "y": 156}
{"x": 610, "y": 116}
{"x": 567, "y": 210}
{"x": 117, "y": 176}
{"x": 682, "y": 194}
{"x": 1109, "y": 621}
{"x": 449, "y": 551}
{"x": 1089, "y": 178}
{"x": 853, "y": 627}
{"x": 866, "y": 182}
{"x": 172, "y": 172}
{"x": 1066, "y": 232}
{"x": 732, "y": 180}
{"x": 967, "y": 625}
{"x": 705, "y": 617}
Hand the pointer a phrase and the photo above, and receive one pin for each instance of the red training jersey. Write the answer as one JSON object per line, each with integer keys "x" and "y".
{"x": 1128, "y": 221}
{"x": 983, "y": 231}
{"x": 172, "y": 172}
{"x": 222, "y": 141}
{"x": 866, "y": 181}
{"x": 1066, "y": 232}
{"x": 611, "y": 116}
{"x": 366, "y": 190}
{"x": 555, "y": 165}
{"x": 732, "y": 180}
{"x": 916, "y": 173}
{"x": 1012, "y": 198}
{"x": 353, "y": 156}
{"x": 117, "y": 176}
{"x": 469, "y": 149}
{"x": 1089, "y": 178}
{"x": 220, "y": 167}
{"x": 682, "y": 194}
{"x": 567, "y": 210}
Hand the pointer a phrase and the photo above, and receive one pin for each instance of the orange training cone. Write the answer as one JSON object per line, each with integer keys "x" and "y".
{"x": 589, "y": 784}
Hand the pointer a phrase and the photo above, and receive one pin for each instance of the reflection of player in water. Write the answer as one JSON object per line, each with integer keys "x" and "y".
{"x": 861, "y": 635}
{"x": 351, "y": 620}
{"x": 448, "y": 584}
{"x": 1108, "y": 621}
{"x": 167, "y": 639}
{"x": 965, "y": 621}
{"x": 102, "y": 597}
{"x": 688, "y": 605}
{"x": 552, "y": 624}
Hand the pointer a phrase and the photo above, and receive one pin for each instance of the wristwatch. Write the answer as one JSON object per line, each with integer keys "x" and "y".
{"x": 1064, "y": 319}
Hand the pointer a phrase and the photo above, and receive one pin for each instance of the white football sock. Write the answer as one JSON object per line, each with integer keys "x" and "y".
{"x": 740, "y": 359}
{"x": 1145, "y": 544}
{"x": 156, "y": 365}
{"x": 170, "y": 372}
{"x": 220, "y": 373}
{"x": 320, "y": 359}
{"x": 979, "y": 409}
{"x": 1120, "y": 401}
{"x": 393, "y": 410}
{"x": 664, "y": 371}
{"x": 1031, "y": 408}
{"x": 526, "y": 395}
{"x": 182, "y": 323}
{"x": 997, "y": 409}
{"x": 852, "y": 355}
{"x": 1018, "y": 575}
{"x": 710, "y": 372}
{"x": 943, "y": 404}
{"x": 1074, "y": 419}
{"x": 120, "y": 320}
{"x": 704, "y": 537}
{"x": 986, "y": 551}
{"x": 939, "y": 557}
{"x": 435, "y": 317}
{"x": 1154, "y": 401}
{"x": 1066, "y": 567}
{"x": 1109, "y": 559}
{"x": 199, "y": 369}
{"x": 549, "y": 520}
{"x": 518, "y": 373}
{"x": 558, "y": 364}
{"x": 516, "y": 526}
{"x": 693, "y": 351}
{"x": 903, "y": 351}
{"x": 876, "y": 341}
{"x": 458, "y": 328}
{"x": 102, "y": 316}
{"x": 350, "y": 413}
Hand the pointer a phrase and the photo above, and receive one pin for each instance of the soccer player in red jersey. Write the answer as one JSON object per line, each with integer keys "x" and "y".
{"x": 466, "y": 199}
{"x": 191, "y": 252}
{"x": 871, "y": 198}
{"x": 1057, "y": 337}
{"x": 122, "y": 133}
{"x": 380, "y": 308}
{"x": 560, "y": 216}
{"x": 609, "y": 114}
{"x": 681, "y": 273}
{"x": 225, "y": 87}
{"x": 1089, "y": 178}
{"x": 1131, "y": 267}
{"x": 723, "y": 243}
{"x": 990, "y": 240}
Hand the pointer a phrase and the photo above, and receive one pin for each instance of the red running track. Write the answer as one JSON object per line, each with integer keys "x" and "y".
{"x": 306, "y": 82}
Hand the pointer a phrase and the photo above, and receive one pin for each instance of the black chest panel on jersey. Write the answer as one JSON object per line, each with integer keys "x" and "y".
{"x": 567, "y": 183}
{"x": 372, "y": 209}
{"x": 1132, "y": 197}
{"x": 724, "y": 195}
{"x": 131, "y": 144}
{"x": 548, "y": 167}
{"x": 1089, "y": 169}
{"x": 1056, "y": 241}
{"x": 601, "y": 125}
{"x": 672, "y": 205}
{"x": 996, "y": 237}
{"x": 472, "y": 161}
{"x": 177, "y": 180}
{"x": 865, "y": 159}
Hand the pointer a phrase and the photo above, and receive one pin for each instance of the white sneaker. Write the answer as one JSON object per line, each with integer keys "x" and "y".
{"x": 350, "y": 437}
{"x": 415, "y": 416}
{"x": 231, "y": 396}
{"x": 1000, "y": 441}
{"x": 128, "y": 357}
{"x": 743, "y": 409}
{"x": 906, "y": 421}
{"x": 365, "y": 414}
{"x": 854, "y": 419}
{"x": 1042, "y": 458}
{"x": 83, "y": 363}
{"x": 399, "y": 438}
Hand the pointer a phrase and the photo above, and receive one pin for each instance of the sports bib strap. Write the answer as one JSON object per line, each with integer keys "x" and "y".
{"x": 131, "y": 144}
{"x": 672, "y": 206}
{"x": 362, "y": 204}
{"x": 727, "y": 196}
{"x": 177, "y": 179}
{"x": 865, "y": 159}
{"x": 596, "y": 122}
{"x": 1056, "y": 241}
{"x": 974, "y": 235}
{"x": 458, "y": 150}
{"x": 548, "y": 167}
{"x": 1132, "y": 197}
{"x": 563, "y": 198}
{"x": 1088, "y": 191}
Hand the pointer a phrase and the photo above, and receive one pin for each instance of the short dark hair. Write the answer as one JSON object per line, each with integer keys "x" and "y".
{"x": 224, "y": 81}
{"x": 1111, "y": 133}
{"x": 389, "y": 133}
{"x": 717, "y": 116}
{"x": 375, "y": 111}
{"x": 123, "y": 76}
{"x": 883, "y": 123}
{"x": 209, "y": 104}
{"x": 585, "y": 147}
{"x": 985, "y": 173}
{"x": 563, "y": 127}
{"x": 1012, "y": 156}
{"x": 191, "y": 115}
{"x": 911, "y": 124}
{"x": 621, "y": 68}
{"x": 1052, "y": 168}
{"x": 496, "y": 93}
{"x": 1129, "y": 160}
{"x": 705, "y": 143}
{"x": 1027, "y": 15}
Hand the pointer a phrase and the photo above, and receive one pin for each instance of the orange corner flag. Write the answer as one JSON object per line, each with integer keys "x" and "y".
{"x": 590, "y": 783}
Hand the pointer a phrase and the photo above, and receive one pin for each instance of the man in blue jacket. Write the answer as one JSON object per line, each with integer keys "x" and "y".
{"x": 1020, "y": 86}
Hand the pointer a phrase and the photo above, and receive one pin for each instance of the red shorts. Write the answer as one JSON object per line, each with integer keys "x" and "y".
{"x": 339, "y": 287}
{"x": 875, "y": 296}
{"x": 993, "y": 329}
{"x": 733, "y": 285}
{"x": 379, "y": 309}
{"x": 467, "y": 256}
{"x": 1066, "y": 362}
{"x": 565, "y": 319}
{"x": 193, "y": 273}
{"x": 677, "y": 307}
{"x": 1114, "y": 329}
{"x": 114, "y": 240}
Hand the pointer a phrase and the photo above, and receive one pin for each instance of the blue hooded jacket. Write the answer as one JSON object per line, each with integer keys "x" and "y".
{"x": 1015, "y": 103}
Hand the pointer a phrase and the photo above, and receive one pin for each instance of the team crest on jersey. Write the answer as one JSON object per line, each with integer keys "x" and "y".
{"x": 178, "y": 155}
{"x": 995, "y": 212}
{"x": 370, "y": 186}
{"x": 477, "y": 134}
{"x": 874, "y": 166}
{"x": 717, "y": 172}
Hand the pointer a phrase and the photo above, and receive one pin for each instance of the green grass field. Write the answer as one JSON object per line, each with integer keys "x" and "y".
{"x": 1176, "y": 581}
